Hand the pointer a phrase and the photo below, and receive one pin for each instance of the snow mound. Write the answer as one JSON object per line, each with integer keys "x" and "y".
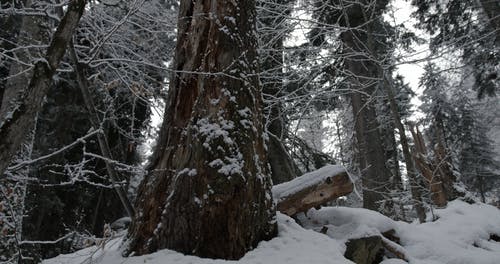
{"x": 460, "y": 235}
{"x": 344, "y": 223}
{"x": 294, "y": 244}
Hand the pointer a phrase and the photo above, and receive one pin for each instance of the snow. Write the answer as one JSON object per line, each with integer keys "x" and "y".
{"x": 289, "y": 247}
{"x": 459, "y": 235}
{"x": 344, "y": 223}
{"x": 309, "y": 179}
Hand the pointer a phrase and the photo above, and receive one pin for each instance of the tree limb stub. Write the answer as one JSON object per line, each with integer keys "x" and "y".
{"x": 312, "y": 189}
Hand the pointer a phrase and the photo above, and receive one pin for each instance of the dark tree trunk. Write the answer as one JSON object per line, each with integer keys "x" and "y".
{"x": 209, "y": 191}
{"x": 375, "y": 175}
{"x": 32, "y": 29}
{"x": 364, "y": 77}
{"x": 11, "y": 25}
{"x": 15, "y": 125}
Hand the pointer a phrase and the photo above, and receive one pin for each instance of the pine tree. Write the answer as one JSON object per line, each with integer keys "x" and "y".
{"x": 470, "y": 27}
{"x": 478, "y": 168}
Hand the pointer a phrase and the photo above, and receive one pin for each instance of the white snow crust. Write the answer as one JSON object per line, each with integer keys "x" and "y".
{"x": 312, "y": 178}
{"x": 460, "y": 235}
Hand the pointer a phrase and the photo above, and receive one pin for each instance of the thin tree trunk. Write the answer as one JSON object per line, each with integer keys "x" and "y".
{"x": 20, "y": 120}
{"x": 209, "y": 191}
{"x": 410, "y": 166}
{"x": 101, "y": 138}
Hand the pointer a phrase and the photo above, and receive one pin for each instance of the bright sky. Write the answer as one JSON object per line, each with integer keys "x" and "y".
{"x": 412, "y": 71}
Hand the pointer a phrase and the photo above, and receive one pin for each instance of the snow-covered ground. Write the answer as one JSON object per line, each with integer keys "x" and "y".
{"x": 459, "y": 235}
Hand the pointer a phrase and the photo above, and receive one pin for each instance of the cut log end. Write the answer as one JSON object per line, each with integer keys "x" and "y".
{"x": 312, "y": 190}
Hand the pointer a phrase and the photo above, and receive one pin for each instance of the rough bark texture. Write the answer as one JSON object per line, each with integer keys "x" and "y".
{"x": 208, "y": 192}
{"x": 20, "y": 120}
{"x": 315, "y": 195}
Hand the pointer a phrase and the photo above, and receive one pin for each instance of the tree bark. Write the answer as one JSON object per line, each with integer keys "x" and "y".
{"x": 311, "y": 190}
{"x": 209, "y": 190}
{"x": 20, "y": 120}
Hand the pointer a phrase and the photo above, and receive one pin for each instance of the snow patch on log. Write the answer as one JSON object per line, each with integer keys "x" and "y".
{"x": 312, "y": 189}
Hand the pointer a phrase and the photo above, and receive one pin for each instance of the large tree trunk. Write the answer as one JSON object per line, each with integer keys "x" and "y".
{"x": 209, "y": 191}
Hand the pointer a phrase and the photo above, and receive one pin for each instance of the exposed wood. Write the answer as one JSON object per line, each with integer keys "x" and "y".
{"x": 19, "y": 121}
{"x": 306, "y": 192}
{"x": 431, "y": 176}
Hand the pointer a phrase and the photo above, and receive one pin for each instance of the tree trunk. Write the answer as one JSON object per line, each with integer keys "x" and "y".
{"x": 410, "y": 166}
{"x": 364, "y": 75}
{"x": 11, "y": 25}
{"x": 443, "y": 164}
{"x": 432, "y": 176}
{"x": 209, "y": 191}
{"x": 31, "y": 32}
{"x": 101, "y": 137}
{"x": 15, "y": 125}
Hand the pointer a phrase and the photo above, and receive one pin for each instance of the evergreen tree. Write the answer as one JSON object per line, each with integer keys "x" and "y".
{"x": 479, "y": 170}
{"x": 470, "y": 28}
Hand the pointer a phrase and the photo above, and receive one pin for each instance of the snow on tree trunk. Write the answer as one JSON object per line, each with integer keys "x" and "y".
{"x": 209, "y": 190}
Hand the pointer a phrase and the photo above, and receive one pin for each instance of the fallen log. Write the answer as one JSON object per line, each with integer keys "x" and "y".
{"x": 312, "y": 189}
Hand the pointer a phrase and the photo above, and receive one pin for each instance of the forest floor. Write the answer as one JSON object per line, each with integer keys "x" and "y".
{"x": 461, "y": 234}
